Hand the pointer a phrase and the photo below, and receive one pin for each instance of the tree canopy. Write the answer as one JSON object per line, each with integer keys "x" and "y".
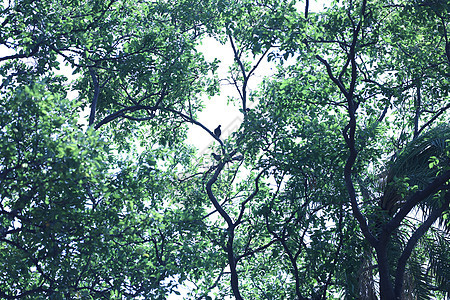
{"x": 336, "y": 185}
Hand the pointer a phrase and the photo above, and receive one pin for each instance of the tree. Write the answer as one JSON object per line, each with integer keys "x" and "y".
{"x": 336, "y": 185}
{"x": 356, "y": 69}
{"x": 75, "y": 222}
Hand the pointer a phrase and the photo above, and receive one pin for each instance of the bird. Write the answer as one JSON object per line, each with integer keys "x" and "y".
{"x": 217, "y": 131}
{"x": 216, "y": 156}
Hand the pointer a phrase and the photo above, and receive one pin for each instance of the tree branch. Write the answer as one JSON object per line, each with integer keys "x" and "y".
{"x": 414, "y": 199}
{"x": 401, "y": 264}
{"x": 34, "y": 50}
{"x": 96, "y": 94}
{"x": 230, "y": 230}
{"x": 334, "y": 79}
{"x": 440, "y": 112}
{"x": 213, "y": 198}
{"x": 251, "y": 196}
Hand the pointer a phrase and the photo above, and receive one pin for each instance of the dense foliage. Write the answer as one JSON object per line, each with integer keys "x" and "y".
{"x": 335, "y": 186}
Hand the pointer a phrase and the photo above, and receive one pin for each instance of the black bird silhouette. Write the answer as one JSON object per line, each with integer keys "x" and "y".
{"x": 216, "y": 156}
{"x": 217, "y": 131}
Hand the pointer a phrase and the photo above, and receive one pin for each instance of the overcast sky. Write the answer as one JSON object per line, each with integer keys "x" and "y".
{"x": 217, "y": 110}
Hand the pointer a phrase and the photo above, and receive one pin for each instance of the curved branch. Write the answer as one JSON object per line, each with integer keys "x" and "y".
{"x": 251, "y": 196}
{"x": 414, "y": 199}
{"x": 350, "y": 129}
{"x": 291, "y": 256}
{"x": 440, "y": 112}
{"x": 15, "y": 56}
{"x": 122, "y": 113}
{"x": 243, "y": 92}
{"x": 330, "y": 74}
{"x": 213, "y": 285}
{"x": 401, "y": 265}
{"x": 213, "y": 198}
{"x": 22, "y": 295}
{"x": 229, "y": 248}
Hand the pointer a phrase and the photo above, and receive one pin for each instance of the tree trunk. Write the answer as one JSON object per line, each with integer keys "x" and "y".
{"x": 386, "y": 287}
{"x": 232, "y": 263}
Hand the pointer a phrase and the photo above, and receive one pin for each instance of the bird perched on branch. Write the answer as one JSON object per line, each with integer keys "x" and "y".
{"x": 217, "y": 131}
{"x": 216, "y": 156}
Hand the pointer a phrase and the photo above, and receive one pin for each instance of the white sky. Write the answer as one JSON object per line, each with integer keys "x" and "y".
{"x": 217, "y": 110}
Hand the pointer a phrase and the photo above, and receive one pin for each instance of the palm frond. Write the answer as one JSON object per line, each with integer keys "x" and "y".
{"x": 416, "y": 284}
{"x": 440, "y": 261}
{"x": 411, "y": 169}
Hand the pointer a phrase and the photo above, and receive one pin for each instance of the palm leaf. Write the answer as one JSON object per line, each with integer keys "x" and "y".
{"x": 439, "y": 251}
{"x": 411, "y": 169}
